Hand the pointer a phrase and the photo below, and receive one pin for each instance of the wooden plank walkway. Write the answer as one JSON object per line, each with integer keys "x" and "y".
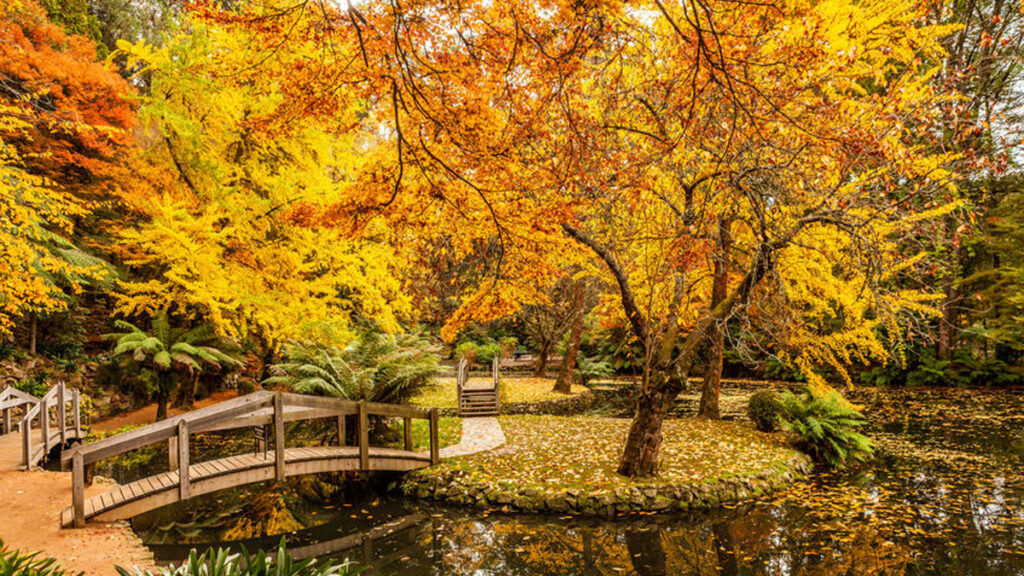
{"x": 266, "y": 413}
{"x": 210, "y": 476}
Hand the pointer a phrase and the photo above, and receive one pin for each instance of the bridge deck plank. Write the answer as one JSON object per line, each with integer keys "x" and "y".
{"x": 242, "y": 463}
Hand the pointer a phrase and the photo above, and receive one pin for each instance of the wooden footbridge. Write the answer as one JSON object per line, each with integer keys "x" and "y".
{"x": 260, "y": 410}
{"x": 43, "y": 424}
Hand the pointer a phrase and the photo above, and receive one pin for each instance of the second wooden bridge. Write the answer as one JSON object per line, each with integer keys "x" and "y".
{"x": 185, "y": 479}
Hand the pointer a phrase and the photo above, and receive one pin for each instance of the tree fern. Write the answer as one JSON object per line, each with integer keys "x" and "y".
{"x": 170, "y": 352}
{"x": 826, "y": 426}
{"x": 375, "y": 367}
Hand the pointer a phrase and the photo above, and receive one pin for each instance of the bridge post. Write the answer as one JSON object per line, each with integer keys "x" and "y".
{"x": 435, "y": 455}
{"x": 44, "y": 424}
{"x": 341, "y": 430}
{"x": 7, "y": 420}
{"x": 364, "y": 437}
{"x": 279, "y": 470}
{"x": 172, "y": 453}
{"x": 407, "y": 427}
{"x": 78, "y": 487}
{"x": 62, "y": 414}
{"x": 26, "y": 440}
{"x": 76, "y": 397}
{"x": 184, "y": 488}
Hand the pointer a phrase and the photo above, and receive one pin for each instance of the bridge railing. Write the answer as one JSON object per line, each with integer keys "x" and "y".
{"x": 51, "y": 410}
{"x": 260, "y": 408}
{"x": 12, "y": 399}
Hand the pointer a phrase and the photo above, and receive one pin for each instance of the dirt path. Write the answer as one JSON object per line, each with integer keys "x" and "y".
{"x": 31, "y": 502}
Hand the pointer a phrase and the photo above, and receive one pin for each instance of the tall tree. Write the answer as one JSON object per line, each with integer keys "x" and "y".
{"x": 630, "y": 131}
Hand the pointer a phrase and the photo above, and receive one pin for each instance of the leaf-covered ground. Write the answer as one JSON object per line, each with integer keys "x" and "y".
{"x": 548, "y": 452}
{"x": 514, "y": 391}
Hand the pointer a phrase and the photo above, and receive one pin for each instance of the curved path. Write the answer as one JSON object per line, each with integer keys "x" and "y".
{"x": 478, "y": 435}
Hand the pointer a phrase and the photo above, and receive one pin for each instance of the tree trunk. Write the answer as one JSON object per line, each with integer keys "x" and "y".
{"x": 640, "y": 455}
{"x": 948, "y": 320}
{"x": 164, "y": 381}
{"x": 565, "y": 375}
{"x": 541, "y": 366}
{"x": 33, "y": 330}
{"x": 187, "y": 392}
{"x": 712, "y": 388}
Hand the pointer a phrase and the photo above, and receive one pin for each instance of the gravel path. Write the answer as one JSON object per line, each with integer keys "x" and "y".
{"x": 478, "y": 435}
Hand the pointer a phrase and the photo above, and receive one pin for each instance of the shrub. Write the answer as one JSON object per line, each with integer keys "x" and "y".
{"x": 376, "y": 368}
{"x": 475, "y": 353}
{"x": 826, "y": 426}
{"x": 764, "y": 409}
{"x": 35, "y": 385}
{"x": 589, "y": 369}
{"x": 16, "y": 563}
{"x": 223, "y": 563}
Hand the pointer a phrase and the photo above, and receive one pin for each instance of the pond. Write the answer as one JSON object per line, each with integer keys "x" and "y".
{"x": 944, "y": 496}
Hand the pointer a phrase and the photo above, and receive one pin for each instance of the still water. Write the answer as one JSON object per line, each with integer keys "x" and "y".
{"x": 944, "y": 496}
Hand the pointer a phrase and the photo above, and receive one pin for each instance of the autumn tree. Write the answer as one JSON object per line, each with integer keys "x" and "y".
{"x": 221, "y": 242}
{"x": 630, "y": 133}
{"x": 64, "y": 121}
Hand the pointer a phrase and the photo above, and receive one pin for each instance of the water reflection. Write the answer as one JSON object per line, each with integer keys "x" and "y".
{"x": 945, "y": 498}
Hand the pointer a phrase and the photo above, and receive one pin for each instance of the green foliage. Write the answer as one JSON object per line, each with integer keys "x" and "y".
{"x": 170, "y": 352}
{"x": 775, "y": 369}
{"x": 376, "y": 367}
{"x": 75, "y": 17}
{"x": 962, "y": 369}
{"x": 35, "y": 384}
{"x": 223, "y": 563}
{"x": 590, "y": 369}
{"x": 477, "y": 353}
{"x": 826, "y": 426}
{"x": 16, "y": 563}
{"x": 764, "y": 409}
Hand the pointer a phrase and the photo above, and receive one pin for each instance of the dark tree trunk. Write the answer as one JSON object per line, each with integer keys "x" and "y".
{"x": 640, "y": 455}
{"x": 187, "y": 393}
{"x": 712, "y": 388}
{"x": 164, "y": 382}
{"x": 947, "y": 322}
{"x": 565, "y": 375}
{"x": 541, "y": 367}
{"x": 33, "y": 331}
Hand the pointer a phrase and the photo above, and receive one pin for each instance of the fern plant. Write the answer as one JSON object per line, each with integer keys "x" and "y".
{"x": 826, "y": 426}
{"x": 375, "y": 367}
{"x": 170, "y": 353}
{"x": 17, "y": 563}
{"x": 221, "y": 562}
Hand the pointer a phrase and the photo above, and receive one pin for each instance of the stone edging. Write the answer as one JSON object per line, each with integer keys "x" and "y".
{"x": 453, "y": 488}
{"x": 570, "y": 405}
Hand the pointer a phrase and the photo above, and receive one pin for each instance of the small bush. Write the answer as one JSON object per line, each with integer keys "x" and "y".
{"x": 223, "y": 563}
{"x": 16, "y": 563}
{"x": 474, "y": 353}
{"x": 35, "y": 385}
{"x": 764, "y": 409}
{"x": 826, "y": 426}
{"x": 590, "y": 369}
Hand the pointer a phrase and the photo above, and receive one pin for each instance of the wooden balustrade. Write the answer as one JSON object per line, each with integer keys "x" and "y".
{"x": 50, "y": 410}
{"x": 257, "y": 409}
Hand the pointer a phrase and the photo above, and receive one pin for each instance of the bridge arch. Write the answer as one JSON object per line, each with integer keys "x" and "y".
{"x": 185, "y": 480}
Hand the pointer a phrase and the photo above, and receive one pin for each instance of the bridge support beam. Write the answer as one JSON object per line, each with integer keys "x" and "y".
{"x": 184, "y": 488}
{"x": 435, "y": 455}
{"x": 78, "y": 487}
{"x": 279, "y": 463}
{"x": 364, "y": 437}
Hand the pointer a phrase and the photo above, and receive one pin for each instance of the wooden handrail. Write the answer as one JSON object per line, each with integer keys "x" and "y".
{"x": 56, "y": 398}
{"x": 198, "y": 421}
{"x": 260, "y": 407}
